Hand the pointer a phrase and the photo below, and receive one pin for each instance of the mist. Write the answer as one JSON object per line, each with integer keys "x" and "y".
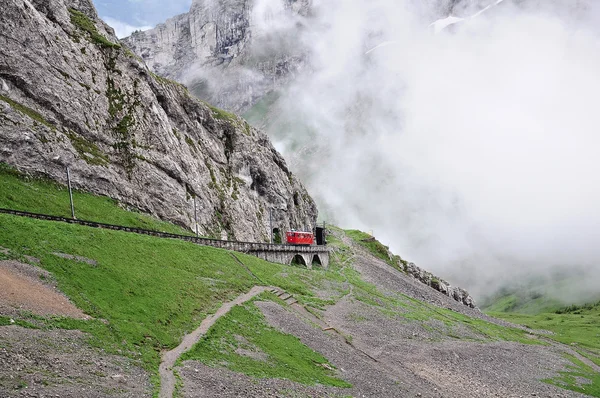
{"x": 470, "y": 150}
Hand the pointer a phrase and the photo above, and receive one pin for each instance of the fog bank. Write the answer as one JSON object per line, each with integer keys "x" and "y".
{"x": 472, "y": 151}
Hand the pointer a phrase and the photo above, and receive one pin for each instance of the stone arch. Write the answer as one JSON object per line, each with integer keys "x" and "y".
{"x": 316, "y": 261}
{"x": 298, "y": 259}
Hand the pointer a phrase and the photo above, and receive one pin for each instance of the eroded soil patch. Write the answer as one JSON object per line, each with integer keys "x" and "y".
{"x": 24, "y": 289}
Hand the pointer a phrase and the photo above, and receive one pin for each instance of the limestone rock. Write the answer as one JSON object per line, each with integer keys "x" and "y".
{"x": 230, "y": 53}
{"x": 70, "y": 94}
{"x": 456, "y": 293}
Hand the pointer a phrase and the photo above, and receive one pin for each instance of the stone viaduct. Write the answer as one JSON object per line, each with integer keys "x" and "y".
{"x": 308, "y": 256}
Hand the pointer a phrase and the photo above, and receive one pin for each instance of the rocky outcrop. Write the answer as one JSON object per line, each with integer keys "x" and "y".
{"x": 71, "y": 95}
{"x": 228, "y": 52}
{"x": 383, "y": 252}
{"x": 456, "y": 293}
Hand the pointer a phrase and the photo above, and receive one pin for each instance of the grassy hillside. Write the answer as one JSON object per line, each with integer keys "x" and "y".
{"x": 577, "y": 326}
{"x": 38, "y": 195}
{"x": 144, "y": 293}
{"x": 289, "y": 358}
{"x": 521, "y": 302}
{"x": 556, "y": 288}
{"x": 151, "y": 291}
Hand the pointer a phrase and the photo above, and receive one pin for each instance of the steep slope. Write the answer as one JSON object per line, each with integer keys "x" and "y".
{"x": 71, "y": 95}
{"x": 230, "y": 53}
{"x": 362, "y": 327}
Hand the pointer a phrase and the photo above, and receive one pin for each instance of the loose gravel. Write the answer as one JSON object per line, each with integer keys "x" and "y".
{"x": 60, "y": 363}
{"x": 391, "y": 356}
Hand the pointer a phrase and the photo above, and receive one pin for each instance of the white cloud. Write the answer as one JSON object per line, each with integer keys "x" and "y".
{"x": 123, "y": 29}
{"x": 472, "y": 152}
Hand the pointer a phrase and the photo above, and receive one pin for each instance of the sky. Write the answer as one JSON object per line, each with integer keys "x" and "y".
{"x": 126, "y": 16}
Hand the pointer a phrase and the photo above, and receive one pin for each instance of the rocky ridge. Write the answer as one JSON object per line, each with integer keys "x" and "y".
{"x": 71, "y": 95}
{"x": 234, "y": 53}
{"x": 230, "y": 53}
{"x": 456, "y": 293}
{"x": 427, "y": 278}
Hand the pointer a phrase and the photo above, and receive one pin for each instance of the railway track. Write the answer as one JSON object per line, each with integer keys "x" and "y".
{"x": 239, "y": 246}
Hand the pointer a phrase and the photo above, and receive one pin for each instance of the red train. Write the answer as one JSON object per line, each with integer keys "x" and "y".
{"x": 299, "y": 238}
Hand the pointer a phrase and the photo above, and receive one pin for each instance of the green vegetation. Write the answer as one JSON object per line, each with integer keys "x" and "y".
{"x": 88, "y": 150}
{"x": 243, "y": 342}
{"x": 577, "y": 326}
{"x": 43, "y": 196}
{"x": 536, "y": 294}
{"x": 379, "y": 250}
{"x": 145, "y": 293}
{"x": 27, "y": 111}
{"x": 376, "y": 248}
{"x": 5, "y": 321}
{"x": 84, "y": 23}
{"x": 190, "y": 143}
{"x": 577, "y": 309}
{"x": 580, "y": 328}
{"x": 150, "y": 291}
{"x": 221, "y": 114}
{"x": 524, "y": 302}
{"x": 578, "y": 377}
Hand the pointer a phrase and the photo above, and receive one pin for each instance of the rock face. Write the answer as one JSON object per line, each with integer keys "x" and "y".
{"x": 456, "y": 293}
{"x": 70, "y": 94}
{"x": 425, "y": 277}
{"x": 231, "y": 52}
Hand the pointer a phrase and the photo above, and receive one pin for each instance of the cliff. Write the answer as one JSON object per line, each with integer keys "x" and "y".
{"x": 71, "y": 95}
{"x": 230, "y": 53}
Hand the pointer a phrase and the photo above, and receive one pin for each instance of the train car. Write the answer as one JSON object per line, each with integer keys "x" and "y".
{"x": 299, "y": 238}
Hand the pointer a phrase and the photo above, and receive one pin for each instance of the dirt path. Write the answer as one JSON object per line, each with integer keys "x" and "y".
{"x": 167, "y": 379}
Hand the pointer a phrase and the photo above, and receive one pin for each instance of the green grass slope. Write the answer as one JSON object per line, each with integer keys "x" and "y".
{"x": 38, "y": 195}
{"x": 556, "y": 288}
{"x": 287, "y": 357}
{"x": 578, "y": 327}
{"x": 144, "y": 293}
{"x": 151, "y": 291}
{"x": 521, "y": 302}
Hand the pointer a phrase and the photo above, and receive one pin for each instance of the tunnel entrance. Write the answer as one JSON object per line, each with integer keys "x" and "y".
{"x": 320, "y": 236}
